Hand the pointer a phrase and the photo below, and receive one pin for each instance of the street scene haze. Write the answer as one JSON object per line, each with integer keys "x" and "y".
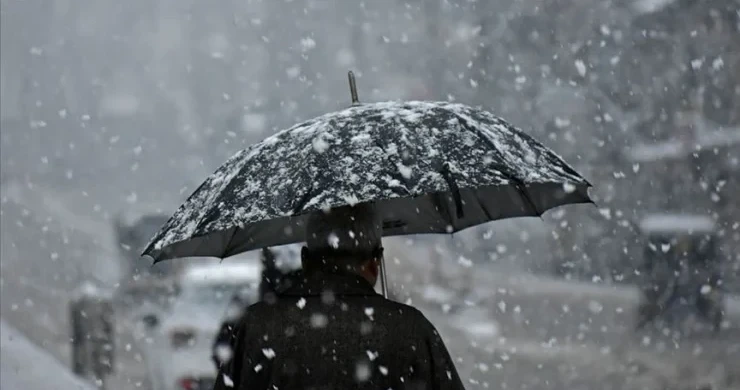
{"x": 326, "y": 194}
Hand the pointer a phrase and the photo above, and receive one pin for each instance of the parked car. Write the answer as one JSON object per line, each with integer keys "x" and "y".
{"x": 179, "y": 356}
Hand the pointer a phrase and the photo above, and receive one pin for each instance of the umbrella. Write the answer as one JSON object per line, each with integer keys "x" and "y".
{"x": 429, "y": 167}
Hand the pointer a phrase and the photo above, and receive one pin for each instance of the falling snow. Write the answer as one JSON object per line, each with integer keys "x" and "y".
{"x": 107, "y": 127}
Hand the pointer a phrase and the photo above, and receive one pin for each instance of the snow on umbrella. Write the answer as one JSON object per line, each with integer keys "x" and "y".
{"x": 430, "y": 167}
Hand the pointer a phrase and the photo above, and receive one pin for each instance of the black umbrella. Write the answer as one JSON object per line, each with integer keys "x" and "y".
{"x": 430, "y": 167}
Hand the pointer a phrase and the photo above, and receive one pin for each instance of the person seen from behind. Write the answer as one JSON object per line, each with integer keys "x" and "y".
{"x": 330, "y": 329}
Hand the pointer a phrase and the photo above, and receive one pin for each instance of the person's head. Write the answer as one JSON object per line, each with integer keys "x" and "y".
{"x": 344, "y": 239}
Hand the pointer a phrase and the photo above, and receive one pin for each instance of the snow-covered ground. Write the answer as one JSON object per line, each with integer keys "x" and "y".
{"x": 25, "y": 366}
{"x": 47, "y": 248}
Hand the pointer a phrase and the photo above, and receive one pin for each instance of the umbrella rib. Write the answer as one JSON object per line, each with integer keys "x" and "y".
{"x": 483, "y": 206}
{"x": 225, "y": 253}
{"x": 439, "y": 204}
{"x": 392, "y": 174}
{"x": 518, "y": 183}
{"x": 454, "y": 189}
{"x": 303, "y": 200}
{"x": 520, "y": 187}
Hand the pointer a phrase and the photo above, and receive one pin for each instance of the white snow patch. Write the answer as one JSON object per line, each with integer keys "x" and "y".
{"x": 718, "y": 63}
{"x": 320, "y": 145}
{"x": 437, "y": 294}
{"x": 465, "y": 262}
{"x": 351, "y": 200}
{"x": 595, "y": 307}
{"x": 228, "y": 382}
{"x": 674, "y": 222}
{"x": 269, "y": 353}
{"x": 319, "y": 320}
{"x": 293, "y": 72}
{"x": 307, "y": 43}
{"x": 345, "y": 58}
{"x": 482, "y": 329}
{"x": 333, "y": 240}
{"x": 224, "y": 353}
{"x": 254, "y": 123}
{"x": 364, "y": 137}
{"x": 648, "y": 6}
{"x": 581, "y": 68}
{"x": 362, "y": 372}
{"x": 561, "y": 123}
{"x": 405, "y": 171}
{"x": 26, "y": 366}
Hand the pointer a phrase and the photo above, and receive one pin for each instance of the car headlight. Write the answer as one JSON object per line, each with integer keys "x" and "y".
{"x": 182, "y": 338}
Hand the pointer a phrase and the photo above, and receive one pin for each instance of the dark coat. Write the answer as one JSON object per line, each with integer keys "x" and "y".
{"x": 333, "y": 331}
{"x": 227, "y": 332}
{"x": 271, "y": 275}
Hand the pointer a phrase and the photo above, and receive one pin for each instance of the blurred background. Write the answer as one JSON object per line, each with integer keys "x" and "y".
{"x": 113, "y": 113}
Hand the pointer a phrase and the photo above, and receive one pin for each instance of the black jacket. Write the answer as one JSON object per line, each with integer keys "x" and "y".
{"x": 270, "y": 284}
{"x": 333, "y": 331}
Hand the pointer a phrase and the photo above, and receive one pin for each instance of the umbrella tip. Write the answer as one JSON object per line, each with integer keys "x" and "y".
{"x": 353, "y": 88}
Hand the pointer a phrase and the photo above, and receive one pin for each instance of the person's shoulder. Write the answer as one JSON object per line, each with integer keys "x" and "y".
{"x": 408, "y": 312}
{"x": 416, "y": 321}
{"x": 257, "y": 308}
{"x": 257, "y": 317}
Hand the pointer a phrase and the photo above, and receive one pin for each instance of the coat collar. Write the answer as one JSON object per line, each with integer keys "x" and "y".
{"x": 316, "y": 283}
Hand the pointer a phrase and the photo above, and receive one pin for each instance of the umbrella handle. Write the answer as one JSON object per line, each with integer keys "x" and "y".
{"x": 383, "y": 278}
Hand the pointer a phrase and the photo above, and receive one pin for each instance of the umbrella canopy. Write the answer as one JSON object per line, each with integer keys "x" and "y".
{"x": 430, "y": 167}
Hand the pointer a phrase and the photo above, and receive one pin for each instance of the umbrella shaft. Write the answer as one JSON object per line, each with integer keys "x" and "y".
{"x": 383, "y": 278}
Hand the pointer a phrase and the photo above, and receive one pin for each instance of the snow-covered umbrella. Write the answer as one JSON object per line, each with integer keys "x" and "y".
{"x": 429, "y": 167}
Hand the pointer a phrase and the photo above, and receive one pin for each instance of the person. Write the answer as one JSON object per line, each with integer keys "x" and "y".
{"x": 658, "y": 299}
{"x": 271, "y": 275}
{"x": 220, "y": 350}
{"x": 329, "y": 329}
{"x": 270, "y": 280}
{"x": 690, "y": 278}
